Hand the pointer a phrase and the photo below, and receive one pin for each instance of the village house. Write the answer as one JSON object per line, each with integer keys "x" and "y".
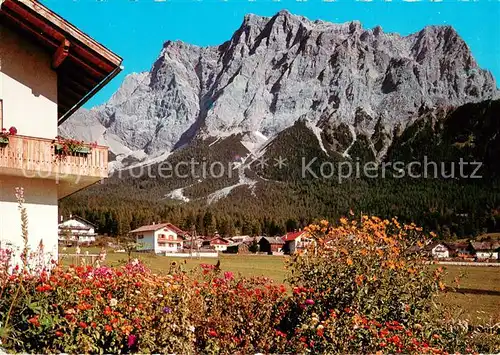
{"x": 439, "y": 250}
{"x": 159, "y": 238}
{"x": 462, "y": 248}
{"x": 48, "y": 69}
{"x": 271, "y": 245}
{"x": 78, "y": 230}
{"x": 295, "y": 241}
{"x": 486, "y": 250}
{"x": 218, "y": 243}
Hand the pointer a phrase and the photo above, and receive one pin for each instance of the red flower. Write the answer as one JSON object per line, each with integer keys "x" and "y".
{"x": 310, "y": 302}
{"x": 82, "y": 325}
{"x": 280, "y": 333}
{"x": 93, "y": 325}
{"x": 108, "y": 328}
{"x": 212, "y": 333}
{"x": 59, "y": 334}
{"x": 12, "y": 131}
{"x": 34, "y": 321}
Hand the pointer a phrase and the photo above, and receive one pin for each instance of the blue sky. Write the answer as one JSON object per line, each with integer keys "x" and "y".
{"x": 136, "y": 30}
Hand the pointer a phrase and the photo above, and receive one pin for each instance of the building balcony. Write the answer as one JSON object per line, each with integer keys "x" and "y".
{"x": 38, "y": 158}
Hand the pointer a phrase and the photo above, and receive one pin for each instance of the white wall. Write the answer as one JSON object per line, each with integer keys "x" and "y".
{"x": 41, "y": 206}
{"x": 220, "y": 247}
{"x": 171, "y": 245}
{"x": 487, "y": 255}
{"x": 440, "y": 251}
{"x": 28, "y": 87}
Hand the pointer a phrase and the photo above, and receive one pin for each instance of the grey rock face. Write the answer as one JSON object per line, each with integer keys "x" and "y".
{"x": 275, "y": 70}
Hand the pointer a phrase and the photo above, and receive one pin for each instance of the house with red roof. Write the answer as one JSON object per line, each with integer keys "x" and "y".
{"x": 218, "y": 243}
{"x": 160, "y": 238}
{"x": 295, "y": 241}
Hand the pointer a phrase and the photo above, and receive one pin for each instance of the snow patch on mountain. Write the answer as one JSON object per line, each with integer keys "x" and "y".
{"x": 224, "y": 192}
{"x": 177, "y": 194}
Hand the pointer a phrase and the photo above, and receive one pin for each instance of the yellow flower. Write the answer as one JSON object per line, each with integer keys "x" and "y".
{"x": 343, "y": 220}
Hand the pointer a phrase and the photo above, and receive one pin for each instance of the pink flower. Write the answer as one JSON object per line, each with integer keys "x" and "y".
{"x": 309, "y": 302}
{"x": 228, "y": 275}
{"x": 132, "y": 339}
{"x": 12, "y": 131}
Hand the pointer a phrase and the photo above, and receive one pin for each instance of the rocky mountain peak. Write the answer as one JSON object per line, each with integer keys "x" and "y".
{"x": 274, "y": 70}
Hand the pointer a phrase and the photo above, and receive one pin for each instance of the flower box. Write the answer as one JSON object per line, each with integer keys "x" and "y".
{"x": 77, "y": 150}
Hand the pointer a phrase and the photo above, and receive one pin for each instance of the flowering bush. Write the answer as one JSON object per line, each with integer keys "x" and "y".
{"x": 358, "y": 289}
{"x": 355, "y": 290}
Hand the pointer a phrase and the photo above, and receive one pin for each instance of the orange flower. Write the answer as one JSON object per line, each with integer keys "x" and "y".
{"x": 59, "y": 334}
{"x": 108, "y": 328}
{"x": 349, "y": 261}
{"x": 359, "y": 279}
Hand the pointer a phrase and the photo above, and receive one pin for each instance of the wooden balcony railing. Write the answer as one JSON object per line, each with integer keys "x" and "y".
{"x": 33, "y": 157}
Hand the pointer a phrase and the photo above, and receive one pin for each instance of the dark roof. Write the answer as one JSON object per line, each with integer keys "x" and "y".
{"x": 176, "y": 229}
{"x": 491, "y": 245}
{"x": 157, "y": 226}
{"x": 150, "y": 228}
{"x": 84, "y": 220}
{"x": 83, "y": 65}
{"x": 274, "y": 240}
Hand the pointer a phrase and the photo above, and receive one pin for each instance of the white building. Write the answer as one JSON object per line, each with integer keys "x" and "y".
{"x": 295, "y": 241}
{"x": 48, "y": 69}
{"x": 440, "y": 250}
{"x": 487, "y": 250}
{"x": 159, "y": 238}
{"x": 77, "y": 229}
{"x": 218, "y": 243}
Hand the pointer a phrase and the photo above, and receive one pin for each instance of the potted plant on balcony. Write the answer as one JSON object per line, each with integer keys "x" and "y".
{"x": 68, "y": 146}
{"x": 4, "y": 135}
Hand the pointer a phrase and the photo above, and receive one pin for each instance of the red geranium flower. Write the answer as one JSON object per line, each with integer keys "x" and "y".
{"x": 34, "y": 321}
{"x": 212, "y": 333}
{"x": 82, "y": 325}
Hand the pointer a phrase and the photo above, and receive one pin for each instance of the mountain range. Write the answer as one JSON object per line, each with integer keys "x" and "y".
{"x": 285, "y": 87}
